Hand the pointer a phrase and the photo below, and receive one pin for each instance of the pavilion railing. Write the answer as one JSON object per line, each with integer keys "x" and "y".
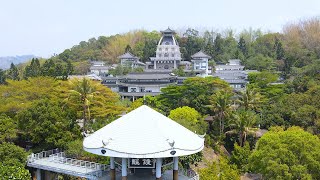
{"x": 61, "y": 158}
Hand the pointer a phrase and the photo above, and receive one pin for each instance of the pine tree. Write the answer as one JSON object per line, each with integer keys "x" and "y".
{"x": 48, "y": 68}
{"x": 218, "y": 44}
{"x": 242, "y": 45}
{"x": 279, "y": 49}
{"x": 13, "y": 72}
{"x": 2, "y": 77}
{"x": 128, "y": 48}
{"x": 33, "y": 70}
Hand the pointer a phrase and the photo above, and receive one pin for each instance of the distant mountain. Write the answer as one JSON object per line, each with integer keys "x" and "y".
{"x": 6, "y": 61}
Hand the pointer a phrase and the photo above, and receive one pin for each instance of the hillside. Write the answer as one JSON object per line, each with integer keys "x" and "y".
{"x": 7, "y": 60}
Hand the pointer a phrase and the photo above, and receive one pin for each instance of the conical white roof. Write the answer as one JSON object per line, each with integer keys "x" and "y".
{"x": 143, "y": 133}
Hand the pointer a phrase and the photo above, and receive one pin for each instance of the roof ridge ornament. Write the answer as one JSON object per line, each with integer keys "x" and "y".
{"x": 105, "y": 143}
{"x": 203, "y": 135}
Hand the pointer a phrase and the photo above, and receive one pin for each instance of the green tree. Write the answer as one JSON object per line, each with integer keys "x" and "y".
{"x": 262, "y": 79}
{"x": 11, "y": 154}
{"x": 48, "y": 124}
{"x": 242, "y": 123}
{"x": 14, "y": 172}
{"x": 13, "y": 159}
{"x": 83, "y": 92}
{"x": 2, "y": 77}
{"x": 279, "y": 48}
{"x": 189, "y": 118}
{"x": 20, "y": 95}
{"x": 13, "y": 72}
{"x": 219, "y": 170}
{"x": 192, "y": 159}
{"x": 33, "y": 70}
{"x": 250, "y": 99}
{"x": 128, "y": 48}
{"x": 221, "y": 107}
{"x": 8, "y": 129}
{"x": 92, "y": 99}
{"x": 290, "y": 154}
{"x": 240, "y": 157}
{"x": 260, "y": 62}
{"x": 242, "y": 45}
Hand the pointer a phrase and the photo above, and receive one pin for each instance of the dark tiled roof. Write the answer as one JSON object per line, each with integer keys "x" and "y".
{"x": 147, "y": 76}
{"x": 99, "y": 68}
{"x": 128, "y": 55}
{"x": 168, "y": 30}
{"x": 200, "y": 54}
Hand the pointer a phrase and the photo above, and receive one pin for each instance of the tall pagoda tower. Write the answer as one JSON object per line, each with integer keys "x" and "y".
{"x": 168, "y": 54}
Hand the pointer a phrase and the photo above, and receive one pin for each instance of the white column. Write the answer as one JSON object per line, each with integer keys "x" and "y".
{"x": 174, "y": 64}
{"x": 207, "y": 69}
{"x": 175, "y": 168}
{"x": 38, "y": 174}
{"x": 158, "y": 168}
{"x": 124, "y": 167}
{"x": 112, "y": 165}
{"x": 175, "y": 163}
{"x": 155, "y": 65}
{"x": 112, "y": 169}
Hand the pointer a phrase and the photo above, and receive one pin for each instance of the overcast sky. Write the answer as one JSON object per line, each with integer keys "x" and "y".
{"x": 45, "y": 27}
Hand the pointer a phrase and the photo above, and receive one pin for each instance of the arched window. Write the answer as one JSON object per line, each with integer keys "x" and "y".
{"x": 166, "y": 54}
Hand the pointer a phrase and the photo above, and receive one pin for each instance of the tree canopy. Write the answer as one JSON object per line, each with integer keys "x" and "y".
{"x": 290, "y": 154}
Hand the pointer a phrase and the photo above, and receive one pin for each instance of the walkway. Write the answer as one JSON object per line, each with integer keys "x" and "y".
{"x": 56, "y": 161}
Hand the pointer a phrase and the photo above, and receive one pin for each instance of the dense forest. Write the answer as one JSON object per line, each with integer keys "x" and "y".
{"x": 40, "y": 108}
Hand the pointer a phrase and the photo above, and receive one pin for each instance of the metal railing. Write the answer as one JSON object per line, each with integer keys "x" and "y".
{"x": 42, "y": 154}
{"x": 89, "y": 169}
{"x": 60, "y": 158}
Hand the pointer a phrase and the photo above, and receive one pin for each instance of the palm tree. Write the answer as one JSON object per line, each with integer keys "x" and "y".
{"x": 250, "y": 99}
{"x": 82, "y": 93}
{"x": 242, "y": 123}
{"x": 221, "y": 106}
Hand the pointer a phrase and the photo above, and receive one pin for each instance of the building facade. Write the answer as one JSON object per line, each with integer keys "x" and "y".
{"x": 99, "y": 68}
{"x": 233, "y": 73}
{"x": 136, "y": 85}
{"x": 168, "y": 56}
{"x": 200, "y": 62}
{"x": 129, "y": 60}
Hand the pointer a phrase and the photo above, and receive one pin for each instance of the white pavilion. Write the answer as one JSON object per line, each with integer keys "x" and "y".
{"x": 142, "y": 139}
